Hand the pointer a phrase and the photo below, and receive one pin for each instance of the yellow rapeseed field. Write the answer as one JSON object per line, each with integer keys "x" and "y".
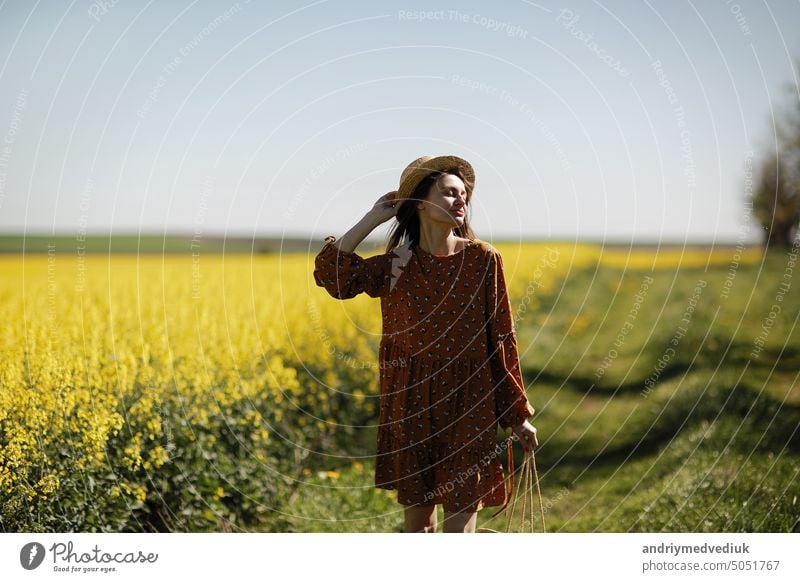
{"x": 151, "y": 376}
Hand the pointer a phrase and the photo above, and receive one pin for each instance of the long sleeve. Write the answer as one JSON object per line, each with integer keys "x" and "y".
{"x": 512, "y": 406}
{"x": 345, "y": 275}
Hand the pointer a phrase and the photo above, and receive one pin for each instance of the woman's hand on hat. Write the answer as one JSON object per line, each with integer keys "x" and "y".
{"x": 385, "y": 208}
{"x": 526, "y": 433}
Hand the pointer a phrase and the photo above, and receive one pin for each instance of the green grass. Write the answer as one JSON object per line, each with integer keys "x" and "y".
{"x": 721, "y": 458}
{"x": 148, "y": 244}
{"x": 574, "y": 336}
{"x": 348, "y": 503}
{"x": 712, "y": 477}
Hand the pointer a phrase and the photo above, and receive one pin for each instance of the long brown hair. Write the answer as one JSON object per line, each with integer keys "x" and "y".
{"x": 407, "y": 225}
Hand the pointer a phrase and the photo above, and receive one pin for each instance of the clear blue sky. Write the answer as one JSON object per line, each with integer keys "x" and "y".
{"x": 584, "y": 120}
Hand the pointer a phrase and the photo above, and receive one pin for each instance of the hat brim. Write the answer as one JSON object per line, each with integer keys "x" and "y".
{"x": 439, "y": 163}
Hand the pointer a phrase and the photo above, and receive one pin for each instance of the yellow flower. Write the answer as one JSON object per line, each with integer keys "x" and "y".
{"x": 158, "y": 456}
{"x": 48, "y": 484}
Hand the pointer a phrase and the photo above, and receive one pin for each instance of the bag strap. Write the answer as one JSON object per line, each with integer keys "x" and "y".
{"x": 529, "y": 473}
{"x": 509, "y": 441}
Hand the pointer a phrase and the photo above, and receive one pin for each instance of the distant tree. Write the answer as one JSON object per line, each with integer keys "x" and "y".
{"x": 776, "y": 203}
{"x": 776, "y": 198}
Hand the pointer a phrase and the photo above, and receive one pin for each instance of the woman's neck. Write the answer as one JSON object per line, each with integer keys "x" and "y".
{"x": 438, "y": 241}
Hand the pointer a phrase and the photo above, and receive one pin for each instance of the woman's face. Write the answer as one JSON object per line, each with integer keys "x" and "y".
{"x": 446, "y": 201}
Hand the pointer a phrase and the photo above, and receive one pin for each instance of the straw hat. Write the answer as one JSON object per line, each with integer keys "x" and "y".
{"x": 421, "y": 167}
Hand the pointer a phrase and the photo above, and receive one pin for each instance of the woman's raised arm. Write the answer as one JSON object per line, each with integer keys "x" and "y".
{"x": 342, "y": 272}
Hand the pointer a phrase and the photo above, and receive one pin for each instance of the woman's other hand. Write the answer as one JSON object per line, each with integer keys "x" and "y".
{"x": 526, "y": 433}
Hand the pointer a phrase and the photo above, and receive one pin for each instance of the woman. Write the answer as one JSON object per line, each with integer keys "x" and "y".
{"x": 449, "y": 367}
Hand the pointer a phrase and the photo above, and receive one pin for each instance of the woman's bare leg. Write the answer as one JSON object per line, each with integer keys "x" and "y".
{"x": 460, "y": 522}
{"x": 420, "y": 519}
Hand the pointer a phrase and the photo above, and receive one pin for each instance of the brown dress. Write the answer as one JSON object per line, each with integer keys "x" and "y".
{"x": 449, "y": 369}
